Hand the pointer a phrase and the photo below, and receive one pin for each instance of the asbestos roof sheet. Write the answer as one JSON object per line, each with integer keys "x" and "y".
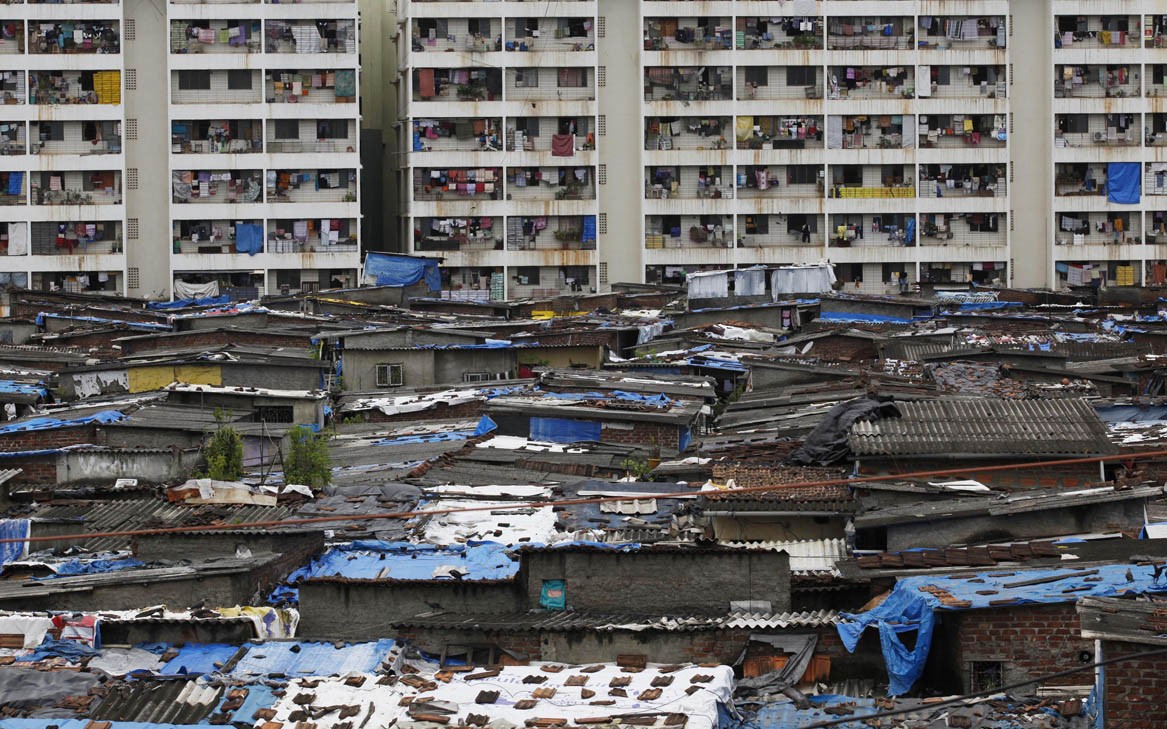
{"x": 570, "y": 621}
{"x": 179, "y": 702}
{"x": 984, "y": 427}
{"x": 806, "y": 555}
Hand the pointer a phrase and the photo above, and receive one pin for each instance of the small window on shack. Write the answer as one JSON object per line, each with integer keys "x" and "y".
{"x": 274, "y": 414}
{"x": 986, "y": 676}
{"x": 390, "y": 374}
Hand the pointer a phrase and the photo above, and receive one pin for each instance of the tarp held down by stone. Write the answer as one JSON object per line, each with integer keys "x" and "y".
{"x": 827, "y": 443}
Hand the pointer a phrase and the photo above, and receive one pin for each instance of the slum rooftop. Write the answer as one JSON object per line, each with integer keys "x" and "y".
{"x": 660, "y": 506}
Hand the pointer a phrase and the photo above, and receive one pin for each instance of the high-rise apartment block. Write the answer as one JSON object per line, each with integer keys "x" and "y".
{"x": 555, "y": 146}
{"x": 179, "y": 149}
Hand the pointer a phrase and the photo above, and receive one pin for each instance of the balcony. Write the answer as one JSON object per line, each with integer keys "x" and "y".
{"x": 458, "y": 135}
{"x": 546, "y": 282}
{"x": 58, "y": 88}
{"x": 89, "y": 238}
{"x": 289, "y": 235}
{"x": 240, "y": 136}
{"x": 216, "y": 87}
{"x": 76, "y": 137}
{"x": 210, "y": 236}
{"x": 869, "y": 231}
{"x": 571, "y": 35}
{"x": 558, "y": 137}
{"x": 976, "y": 230}
{"x": 688, "y": 183}
{"x": 457, "y": 234}
{"x": 689, "y": 231}
{"x": 870, "y": 34}
{"x": 78, "y": 282}
{"x": 1076, "y": 228}
{"x": 12, "y": 88}
{"x": 463, "y": 84}
{"x": 209, "y": 187}
{"x": 474, "y": 35}
{"x": 688, "y": 34}
{"x": 77, "y": 188}
{"x": 1096, "y": 82}
{"x": 780, "y": 181}
{"x": 215, "y": 36}
{"x": 954, "y": 32}
{"x": 1081, "y": 180}
{"x": 688, "y": 83}
{"x": 311, "y": 87}
{"x": 872, "y": 182}
{"x": 75, "y": 37}
{"x": 677, "y": 133}
{"x": 1098, "y": 31}
{"x": 871, "y": 82}
{"x": 779, "y": 82}
{"x": 567, "y": 83}
{"x": 12, "y": 189}
{"x": 950, "y": 181}
{"x": 802, "y": 34}
{"x": 955, "y": 131}
{"x": 14, "y": 43}
{"x": 882, "y": 132}
{"x": 547, "y": 184}
{"x": 776, "y": 230}
{"x": 551, "y": 233}
{"x": 457, "y": 184}
{"x": 316, "y": 136}
{"x": 13, "y": 138}
{"x": 307, "y": 36}
{"x": 311, "y": 186}
{"x": 779, "y": 132}
{"x": 952, "y": 82}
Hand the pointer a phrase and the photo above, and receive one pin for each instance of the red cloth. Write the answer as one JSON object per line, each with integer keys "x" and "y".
{"x": 425, "y": 83}
{"x": 563, "y": 145}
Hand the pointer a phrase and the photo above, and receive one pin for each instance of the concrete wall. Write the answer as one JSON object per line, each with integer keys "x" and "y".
{"x": 292, "y": 377}
{"x": 1105, "y": 517}
{"x": 86, "y": 466}
{"x": 660, "y": 582}
{"x": 423, "y": 366}
{"x": 364, "y": 610}
{"x": 114, "y": 634}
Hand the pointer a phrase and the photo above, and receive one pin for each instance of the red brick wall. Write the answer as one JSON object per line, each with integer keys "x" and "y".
{"x": 34, "y": 469}
{"x": 1136, "y": 690}
{"x": 43, "y": 439}
{"x": 648, "y": 434}
{"x": 1032, "y": 640}
{"x": 1052, "y": 477}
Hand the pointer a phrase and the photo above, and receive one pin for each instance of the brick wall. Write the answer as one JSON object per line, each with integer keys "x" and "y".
{"x": 1136, "y": 690}
{"x": 748, "y": 476}
{"x": 1031, "y": 641}
{"x": 847, "y": 349}
{"x": 35, "y": 469}
{"x": 665, "y": 436}
{"x": 44, "y": 439}
{"x": 1051, "y": 477}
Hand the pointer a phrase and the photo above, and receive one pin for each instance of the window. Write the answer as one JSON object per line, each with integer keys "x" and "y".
{"x": 802, "y": 175}
{"x": 800, "y": 76}
{"x": 391, "y": 374}
{"x": 573, "y": 78}
{"x": 275, "y": 414}
{"x": 528, "y": 125}
{"x": 526, "y": 78}
{"x": 1076, "y": 123}
{"x": 287, "y": 129}
{"x": 795, "y": 221}
{"x": 760, "y": 76}
{"x": 527, "y": 275}
{"x": 433, "y": 27}
{"x": 757, "y": 224}
{"x": 239, "y": 80}
{"x": 479, "y": 376}
{"x": 51, "y": 131}
{"x": 891, "y": 269}
{"x": 332, "y": 129}
{"x": 478, "y": 26}
{"x": 194, "y": 80}
{"x": 985, "y": 676}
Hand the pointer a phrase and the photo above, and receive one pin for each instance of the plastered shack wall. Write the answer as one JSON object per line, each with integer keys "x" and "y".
{"x": 698, "y": 582}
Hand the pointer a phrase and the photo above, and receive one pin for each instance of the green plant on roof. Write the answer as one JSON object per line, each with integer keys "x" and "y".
{"x": 224, "y": 452}
{"x": 308, "y": 462}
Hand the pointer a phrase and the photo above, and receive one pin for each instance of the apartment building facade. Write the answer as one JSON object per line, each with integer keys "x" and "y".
{"x": 902, "y": 140}
{"x": 179, "y": 150}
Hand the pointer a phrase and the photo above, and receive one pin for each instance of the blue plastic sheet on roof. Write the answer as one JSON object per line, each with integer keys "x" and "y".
{"x": 715, "y": 363}
{"x": 13, "y": 387}
{"x": 91, "y": 567}
{"x": 485, "y": 425}
{"x": 259, "y": 696}
{"x": 1132, "y": 413}
{"x": 909, "y": 609}
{"x": 785, "y": 715}
{"x": 184, "y": 303}
{"x": 104, "y": 417}
{"x": 396, "y": 270}
{"x": 662, "y": 400}
{"x": 152, "y": 326}
{"x": 294, "y": 659}
{"x": 564, "y": 430}
{"x": 53, "y": 648}
{"x": 13, "y": 529}
{"x": 378, "y": 560}
{"x": 196, "y": 659}
{"x": 1124, "y": 182}
{"x": 989, "y": 305}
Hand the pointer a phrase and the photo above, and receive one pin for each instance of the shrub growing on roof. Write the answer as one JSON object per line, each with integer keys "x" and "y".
{"x": 308, "y": 461}
{"x": 224, "y": 454}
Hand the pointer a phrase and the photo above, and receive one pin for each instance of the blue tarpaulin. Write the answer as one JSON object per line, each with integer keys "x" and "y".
{"x": 485, "y": 425}
{"x": 845, "y": 316}
{"x": 909, "y": 608}
{"x": 13, "y": 529}
{"x": 199, "y": 658}
{"x": 662, "y": 400}
{"x": 152, "y": 326}
{"x": 910, "y": 232}
{"x": 90, "y": 567}
{"x": 184, "y": 303}
{"x": 397, "y": 270}
{"x": 294, "y": 659}
{"x": 563, "y": 430}
{"x": 12, "y": 387}
{"x": 249, "y": 238}
{"x": 1124, "y": 182}
{"x": 104, "y": 416}
{"x": 53, "y": 648}
{"x": 378, "y": 560}
{"x": 589, "y": 229}
{"x": 989, "y": 305}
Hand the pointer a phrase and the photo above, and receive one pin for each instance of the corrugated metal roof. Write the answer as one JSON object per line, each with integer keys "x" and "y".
{"x": 806, "y": 555}
{"x": 178, "y": 702}
{"x": 986, "y": 427}
{"x": 568, "y": 621}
